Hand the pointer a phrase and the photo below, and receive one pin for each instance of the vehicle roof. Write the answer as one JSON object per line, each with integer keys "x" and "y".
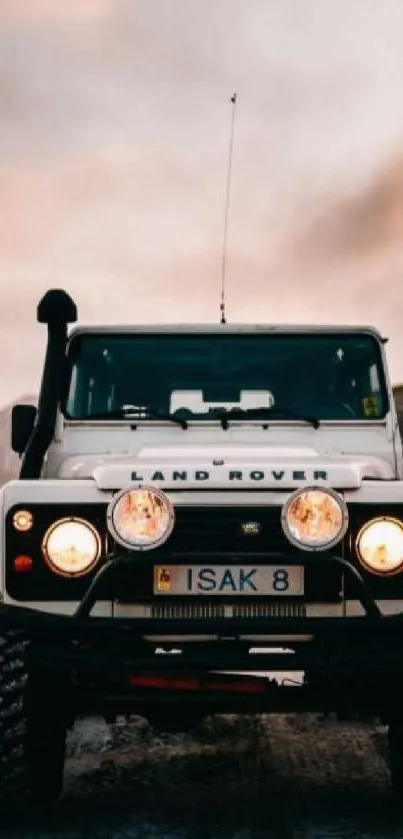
{"x": 224, "y": 329}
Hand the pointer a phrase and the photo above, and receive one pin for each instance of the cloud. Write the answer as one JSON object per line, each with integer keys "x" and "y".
{"x": 113, "y": 151}
{"x": 355, "y": 226}
{"x": 46, "y": 13}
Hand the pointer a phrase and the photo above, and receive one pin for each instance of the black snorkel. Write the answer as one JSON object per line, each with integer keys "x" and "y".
{"x": 56, "y": 309}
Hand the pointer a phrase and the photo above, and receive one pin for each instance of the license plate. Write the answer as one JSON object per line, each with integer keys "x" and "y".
{"x": 263, "y": 580}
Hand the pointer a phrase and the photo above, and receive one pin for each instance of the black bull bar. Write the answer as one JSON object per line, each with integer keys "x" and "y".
{"x": 373, "y": 641}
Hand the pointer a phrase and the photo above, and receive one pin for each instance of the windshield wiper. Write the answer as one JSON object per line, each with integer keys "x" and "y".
{"x": 265, "y": 412}
{"x": 137, "y": 412}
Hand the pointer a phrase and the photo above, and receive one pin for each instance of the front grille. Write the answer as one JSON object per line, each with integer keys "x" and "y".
{"x": 219, "y": 529}
{"x": 246, "y": 611}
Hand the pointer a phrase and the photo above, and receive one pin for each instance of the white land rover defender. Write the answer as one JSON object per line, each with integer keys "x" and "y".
{"x": 224, "y": 491}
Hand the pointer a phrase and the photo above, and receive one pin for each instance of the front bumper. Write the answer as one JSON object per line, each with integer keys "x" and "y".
{"x": 349, "y": 662}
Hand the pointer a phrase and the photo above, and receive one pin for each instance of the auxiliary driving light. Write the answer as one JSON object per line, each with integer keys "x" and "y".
{"x": 379, "y": 546}
{"x": 314, "y": 518}
{"x": 141, "y": 518}
{"x": 71, "y": 547}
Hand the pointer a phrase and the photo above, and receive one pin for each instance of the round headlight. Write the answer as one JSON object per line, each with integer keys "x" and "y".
{"x": 379, "y": 546}
{"x": 141, "y": 518}
{"x": 71, "y": 547}
{"x": 314, "y": 519}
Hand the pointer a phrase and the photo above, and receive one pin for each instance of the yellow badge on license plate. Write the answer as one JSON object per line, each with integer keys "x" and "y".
{"x": 163, "y": 579}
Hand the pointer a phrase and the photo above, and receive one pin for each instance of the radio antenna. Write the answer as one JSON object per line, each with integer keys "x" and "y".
{"x": 226, "y": 211}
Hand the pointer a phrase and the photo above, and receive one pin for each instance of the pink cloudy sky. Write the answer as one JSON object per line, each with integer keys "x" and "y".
{"x": 114, "y": 124}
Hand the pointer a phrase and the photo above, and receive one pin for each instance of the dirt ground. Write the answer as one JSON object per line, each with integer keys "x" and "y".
{"x": 293, "y": 777}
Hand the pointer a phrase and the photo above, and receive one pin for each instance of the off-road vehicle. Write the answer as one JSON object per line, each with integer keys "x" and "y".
{"x": 197, "y": 505}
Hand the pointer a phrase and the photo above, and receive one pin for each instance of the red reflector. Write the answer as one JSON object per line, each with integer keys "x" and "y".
{"x": 22, "y": 563}
{"x": 162, "y": 682}
{"x": 171, "y": 683}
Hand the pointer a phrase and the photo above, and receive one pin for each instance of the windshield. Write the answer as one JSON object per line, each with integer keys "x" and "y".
{"x": 329, "y": 376}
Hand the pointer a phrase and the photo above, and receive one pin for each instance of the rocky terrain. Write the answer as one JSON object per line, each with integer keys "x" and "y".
{"x": 234, "y": 778}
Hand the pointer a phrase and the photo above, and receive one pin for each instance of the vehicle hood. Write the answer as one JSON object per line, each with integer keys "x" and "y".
{"x": 226, "y": 467}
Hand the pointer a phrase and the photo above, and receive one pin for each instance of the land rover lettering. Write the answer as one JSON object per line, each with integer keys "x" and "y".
{"x": 272, "y": 475}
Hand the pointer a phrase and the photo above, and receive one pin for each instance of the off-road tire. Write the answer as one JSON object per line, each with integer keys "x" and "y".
{"x": 32, "y": 739}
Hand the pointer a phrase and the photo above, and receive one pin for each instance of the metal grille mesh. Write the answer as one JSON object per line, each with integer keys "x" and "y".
{"x": 270, "y": 610}
{"x": 187, "y": 610}
{"x": 244, "y": 611}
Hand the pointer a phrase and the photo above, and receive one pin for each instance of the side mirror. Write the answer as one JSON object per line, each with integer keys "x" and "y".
{"x": 22, "y": 423}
